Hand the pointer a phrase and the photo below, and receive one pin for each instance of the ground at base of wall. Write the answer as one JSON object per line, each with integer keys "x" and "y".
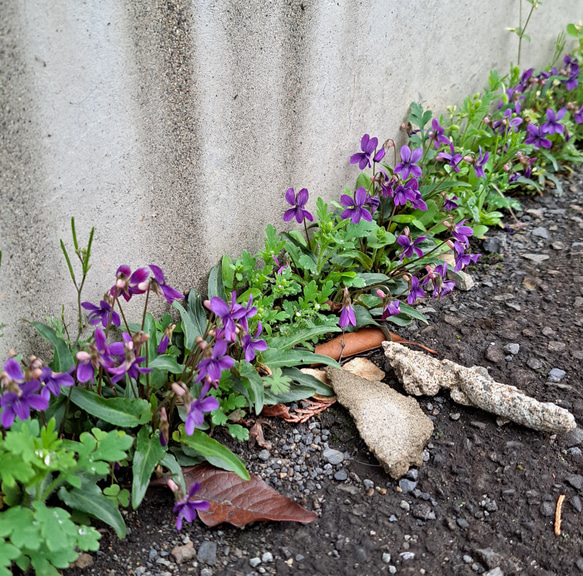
{"x": 485, "y": 499}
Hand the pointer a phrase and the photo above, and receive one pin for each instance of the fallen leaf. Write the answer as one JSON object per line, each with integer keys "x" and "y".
{"x": 256, "y": 435}
{"x": 362, "y": 340}
{"x": 239, "y": 502}
{"x": 280, "y": 410}
{"x": 364, "y": 368}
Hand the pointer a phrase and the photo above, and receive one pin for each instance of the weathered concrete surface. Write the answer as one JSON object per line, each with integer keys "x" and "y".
{"x": 175, "y": 127}
{"x": 393, "y": 426}
{"x": 422, "y": 374}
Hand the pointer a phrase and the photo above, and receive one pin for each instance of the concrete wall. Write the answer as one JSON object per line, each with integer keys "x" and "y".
{"x": 175, "y": 127}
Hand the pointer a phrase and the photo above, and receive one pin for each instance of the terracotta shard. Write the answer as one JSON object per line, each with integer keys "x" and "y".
{"x": 239, "y": 502}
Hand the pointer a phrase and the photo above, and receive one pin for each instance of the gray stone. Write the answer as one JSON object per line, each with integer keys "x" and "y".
{"x": 556, "y": 375}
{"x": 407, "y": 485}
{"x": 423, "y": 511}
{"x": 341, "y": 475}
{"x": 556, "y": 346}
{"x": 421, "y": 374}
{"x": 576, "y": 480}
{"x": 413, "y": 474}
{"x": 492, "y": 244}
{"x": 392, "y": 569}
{"x": 512, "y": 348}
{"x": 488, "y": 557}
{"x": 393, "y": 426}
{"x": 267, "y": 557}
{"x": 207, "y": 553}
{"x": 386, "y": 557}
{"x": 547, "y": 509}
{"x": 405, "y": 505}
{"x": 579, "y": 564}
{"x": 536, "y": 258}
{"x": 576, "y": 503}
{"x": 407, "y": 555}
{"x": 254, "y": 562}
{"x": 263, "y": 455}
{"x": 206, "y": 572}
{"x": 462, "y": 523}
{"x": 334, "y": 457}
{"x": 541, "y": 232}
{"x": 534, "y": 363}
{"x": 572, "y": 438}
{"x": 494, "y": 354}
{"x": 368, "y": 483}
{"x": 183, "y": 553}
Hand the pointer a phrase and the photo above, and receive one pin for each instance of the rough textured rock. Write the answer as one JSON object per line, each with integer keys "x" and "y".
{"x": 393, "y": 426}
{"x": 183, "y": 553}
{"x": 365, "y": 369}
{"x": 421, "y": 374}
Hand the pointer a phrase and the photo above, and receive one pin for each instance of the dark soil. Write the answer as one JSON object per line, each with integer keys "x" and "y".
{"x": 491, "y": 489}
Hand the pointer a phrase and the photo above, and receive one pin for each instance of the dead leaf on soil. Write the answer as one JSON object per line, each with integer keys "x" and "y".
{"x": 256, "y": 434}
{"x": 313, "y": 406}
{"x": 362, "y": 340}
{"x": 239, "y": 502}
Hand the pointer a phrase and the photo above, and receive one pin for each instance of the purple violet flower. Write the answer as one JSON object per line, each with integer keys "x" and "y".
{"x": 406, "y": 192}
{"x": 450, "y": 203}
{"x": 129, "y": 284}
{"x": 212, "y": 368}
{"x": 99, "y": 354}
{"x": 415, "y": 292}
{"x": 453, "y": 159}
{"x": 436, "y": 135}
{"x": 196, "y": 412}
{"x": 187, "y": 508}
{"x": 13, "y": 370}
{"x": 461, "y": 233}
{"x": 536, "y": 137}
{"x": 461, "y": 258}
{"x": 53, "y": 382}
{"x": 391, "y": 309}
{"x": 228, "y": 315}
{"x": 372, "y": 202}
{"x": 101, "y": 314}
{"x": 441, "y": 285}
{"x": 408, "y": 164}
{"x": 480, "y": 163}
{"x": 579, "y": 116}
{"x": 159, "y": 284}
{"x": 251, "y": 346}
{"x": 18, "y": 404}
{"x": 368, "y": 146}
{"x": 347, "y": 317}
{"x": 410, "y": 247}
{"x": 355, "y": 207}
{"x": 552, "y": 125}
{"x": 298, "y": 202}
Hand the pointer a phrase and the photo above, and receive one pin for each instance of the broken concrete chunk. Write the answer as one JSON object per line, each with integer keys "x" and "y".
{"x": 422, "y": 374}
{"x": 393, "y": 426}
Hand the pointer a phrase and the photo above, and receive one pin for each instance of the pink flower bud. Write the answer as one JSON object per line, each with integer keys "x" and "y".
{"x": 172, "y": 485}
{"x": 83, "y": 356}
{"x": 207, "y": 304}
{"x": 36, "y": 374}
{"x": 468, "y": 159}
{"x": 163, "y": 415}
{"x": 120, "y": 283}
{"x": 177, "y": 389}
{"x": 380, "y": 293}
{"x": 450, "y": 244}
{"x": 143, "y": 285}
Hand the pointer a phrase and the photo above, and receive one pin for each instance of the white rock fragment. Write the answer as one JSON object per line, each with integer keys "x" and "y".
{"x": 421, "y": 374}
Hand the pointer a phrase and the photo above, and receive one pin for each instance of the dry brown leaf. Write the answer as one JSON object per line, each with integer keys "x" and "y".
{"x": 256, "y": 435}
{"x": 280, "y": 410}
{"x": 362, "y": 340}
{"x": 239, "y": 502}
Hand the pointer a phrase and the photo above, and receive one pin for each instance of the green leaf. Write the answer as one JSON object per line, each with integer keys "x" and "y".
{"x": 403, "y": 218}
{"x": 280, "y": 359}
{"x": 308, "y": 381}
{"x": 363, "y": 317}
{"x": 123, "y": 412}
{"x": 255, "y": 383}
{"x": 557, "y": 182}
{"x": 216, "y": 286}
{"x": 228, "y": 270}
{"x": 55, "y": 525}
{"x": 148, "y": 454}
{"x": 167, "y": 363}
{"x": 91, "y": 500}
{"x": 572, "y": 30}
{"x": 479, "y": 230}
{"x": 62, "y": 359}
{"x": 189, "y": 328}
{"x": 169, "y": 461}
{"x": 197, "y": 311}
{"x": 370, "y": 279}
{"x": 111, "y": 446}
{"x": 209, "y": 448}
{"x": 300, "y": 336}
{"x": 409, "y": 311}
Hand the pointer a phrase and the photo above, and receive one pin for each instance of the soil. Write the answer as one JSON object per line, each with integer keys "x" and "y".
{"x": 484, "y": 500}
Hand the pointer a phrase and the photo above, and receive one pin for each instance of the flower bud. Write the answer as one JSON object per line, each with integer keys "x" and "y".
{"x": 143, "y": 285}
{"x": 468, "y": 159}
{"x": 172, "y": 485}
{"x": 83, "y": 356}
{"x": 35, "y": 374}
{"x": 11, "y": 352}
{"x": 178, "y": 389}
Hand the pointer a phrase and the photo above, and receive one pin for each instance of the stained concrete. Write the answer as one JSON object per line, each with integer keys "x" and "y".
{"x": 175, "y": 127}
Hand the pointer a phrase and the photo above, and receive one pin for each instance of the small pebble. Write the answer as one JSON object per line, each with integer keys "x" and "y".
{"x": 556, "y": 375}
{"x": 405, "y": 505}
{"x": 341, "y": 475}
{"x": 512, "y": 348}
{"x": 254, "y": 562}
{"x": 386, "y": 557}
{"x": 263, "y": 455}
